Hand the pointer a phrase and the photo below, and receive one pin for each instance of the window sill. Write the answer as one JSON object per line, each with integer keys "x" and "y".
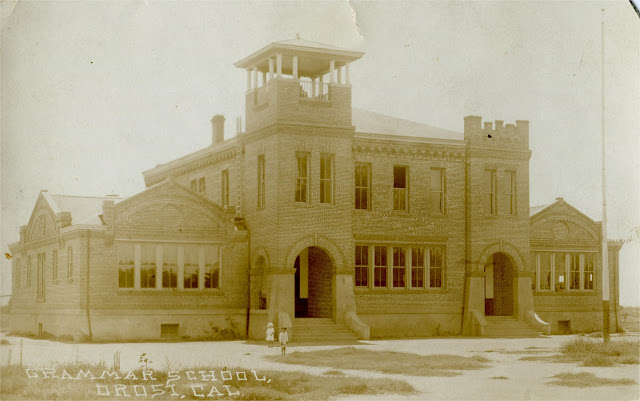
{"x": 362, "y": 210}
{"x": 400, "y": 213}
{"x": 571, "y": 293}
{"x": 168, "y": 292}
{"x": 302, "y": 204}
{"x": 396, "y": 290}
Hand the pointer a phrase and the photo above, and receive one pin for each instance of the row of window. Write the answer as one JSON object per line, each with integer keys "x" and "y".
{"x": 326, "y": 178}
{"x": 41, "y": 263}
{"x": 180, "y": 266}
{"x": 382, "y": 266}
{"x": 564, "y": 271}
{"x": 400, "y": 186}
{"x": 199, "y": 185}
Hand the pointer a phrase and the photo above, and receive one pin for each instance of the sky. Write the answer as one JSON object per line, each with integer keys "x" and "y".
{"x": 94, "y": 93}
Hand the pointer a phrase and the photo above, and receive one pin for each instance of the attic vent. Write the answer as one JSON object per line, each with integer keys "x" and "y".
{"x": 170, "y": 215}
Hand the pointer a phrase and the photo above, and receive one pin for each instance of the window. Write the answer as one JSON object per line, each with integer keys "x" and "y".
{"x": 380, "y": 267}
{"x": 126, "y": 265}
{"x": 211, "y": 266}
{"x": 261, "y": 181}
{"x": 302, "y": 180}
{"x": 362, "y": 266}
{"x": 40, "y": 275}
{"x": 54, "y": 266}
{"x": 589, "y": 271}
{"x": 191, "y": 266}
{"x": 560, "y": 274}
{"x": 28, "y": 271}
{"x": 437, "y": 191}
{"x": 363, "y": 173}
{"x": 400, "y": 188}
{"x": 148, "y": 266}
{"x": 510, "y": 192}
{"x": 194, "y": 185}
{"x": 326, "y": 178}
{"x": 225, "y": 188}
{"x": 574, "y": 271}
{"x": 399, "y": 266}
{"x": 201, "y": 185}
{"x": 417, "y": 267}
{"x": 490, "y": 192}
{"x": 435, "y": 267}
{"x": 545, "y": 271}
{"x": 169, "y": 266}
{"x": 69, "y": 262}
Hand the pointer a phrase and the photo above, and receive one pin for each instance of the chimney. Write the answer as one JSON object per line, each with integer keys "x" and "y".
{"x": 217, "y": 123}
{"x": 108, "y": 212}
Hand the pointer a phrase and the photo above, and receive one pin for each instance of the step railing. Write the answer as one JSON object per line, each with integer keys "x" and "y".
{"x": 538, "y": 324}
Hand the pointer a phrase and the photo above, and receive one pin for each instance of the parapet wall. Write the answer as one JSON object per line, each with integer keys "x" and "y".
{"x": 488, "y": 134}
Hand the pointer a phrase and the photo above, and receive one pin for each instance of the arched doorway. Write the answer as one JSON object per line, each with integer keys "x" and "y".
{"x": 498, "y": 289}
{"x": 313, "y": 283}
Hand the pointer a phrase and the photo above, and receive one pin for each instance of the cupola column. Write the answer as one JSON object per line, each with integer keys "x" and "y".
{"x": 313, "y": 86}
{"x": 339, "y": 75}
{"x": 294, "y": 63}
{"x": 278, "y": 65}
{"x": 347, "y": 73}
{"x": 255, "y": 77}
{"x": 332, "y": 69}
{"x": 270, "y": 68}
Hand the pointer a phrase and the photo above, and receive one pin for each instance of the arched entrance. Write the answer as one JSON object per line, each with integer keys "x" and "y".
{"x": 498, "y": 289}
{"x": 313, "y": 283}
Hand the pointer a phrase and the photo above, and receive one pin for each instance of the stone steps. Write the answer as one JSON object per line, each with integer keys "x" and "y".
{"x": 321, "y": 330}
{"x": 507, "y": 326}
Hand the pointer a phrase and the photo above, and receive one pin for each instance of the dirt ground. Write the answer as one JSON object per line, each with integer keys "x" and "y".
{"x": 507, "y": 378}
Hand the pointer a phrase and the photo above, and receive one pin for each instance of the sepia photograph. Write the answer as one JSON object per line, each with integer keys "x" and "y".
{"x": 320, "y": 200}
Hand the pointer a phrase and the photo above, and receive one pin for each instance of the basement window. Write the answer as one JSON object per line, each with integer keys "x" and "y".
{"x": 170, "y": 330}
{"x": 564, "y": 326}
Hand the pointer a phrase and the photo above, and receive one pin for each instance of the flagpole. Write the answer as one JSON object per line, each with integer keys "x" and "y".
{"x": 605, "y": 246}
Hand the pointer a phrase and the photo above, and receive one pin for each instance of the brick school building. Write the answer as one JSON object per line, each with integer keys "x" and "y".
{"x": 320, "y": 217}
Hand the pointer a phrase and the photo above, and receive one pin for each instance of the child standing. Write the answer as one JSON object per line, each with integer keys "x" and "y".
{"x": 270, "y": 334}
{"x": 284, "y": 339}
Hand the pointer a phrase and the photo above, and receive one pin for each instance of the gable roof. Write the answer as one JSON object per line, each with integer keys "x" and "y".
{"x": 83, "y": 209}
{"x": 369, "y": 122}
{"x": 537, "y": 209}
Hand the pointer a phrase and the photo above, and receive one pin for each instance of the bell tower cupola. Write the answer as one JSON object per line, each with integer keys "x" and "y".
{"x": 298, "y": 82}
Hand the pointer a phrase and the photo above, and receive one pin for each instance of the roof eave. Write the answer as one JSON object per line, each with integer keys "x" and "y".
{"x": 257, "y": 57}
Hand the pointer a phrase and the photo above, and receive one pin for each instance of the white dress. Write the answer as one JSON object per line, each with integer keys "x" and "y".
{"x": 270, "y": 332}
